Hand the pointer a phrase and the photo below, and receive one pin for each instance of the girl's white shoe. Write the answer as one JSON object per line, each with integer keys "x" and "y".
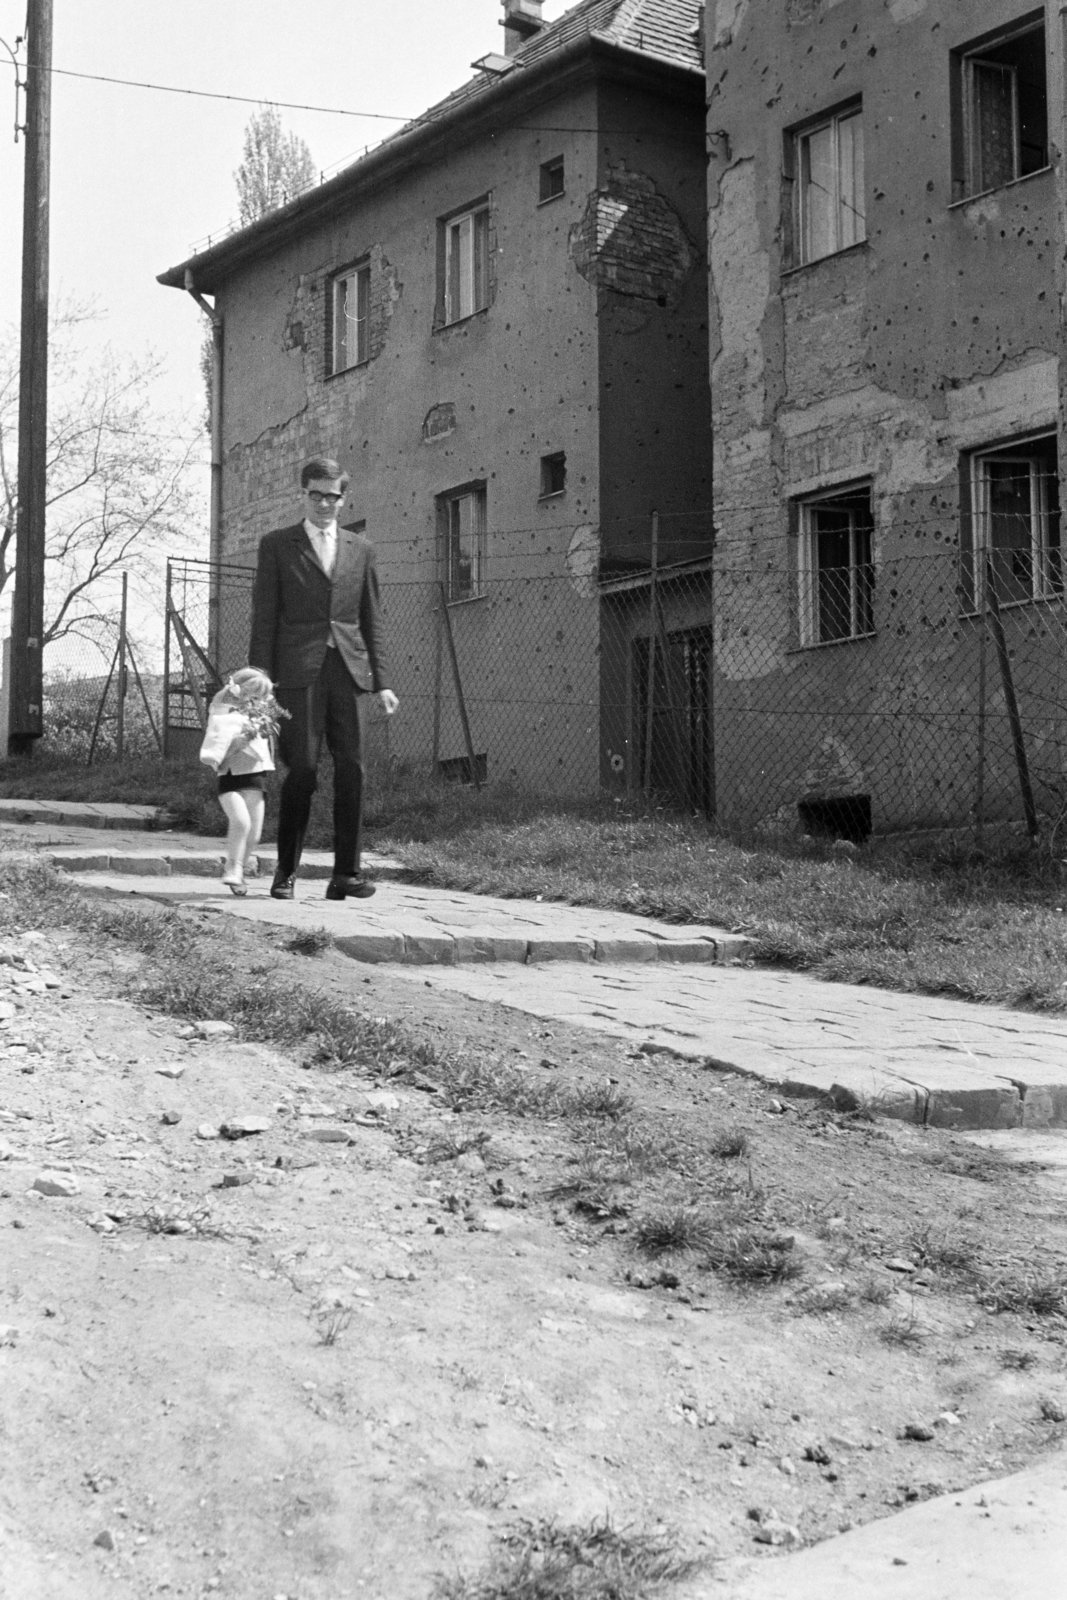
{"x": 235, "y": 881}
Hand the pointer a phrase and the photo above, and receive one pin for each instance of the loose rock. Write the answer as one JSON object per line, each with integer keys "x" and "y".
{"x": 328, "y": 1135}
{"x": 105, "y": 1539}
{"x": 244, "y": 1127}
{"x": 174, "y": 1070}
{"x": 63, "y": 1184}
{"x": 214, "y": 1030}
{"x": 917, "y": 1431}
{"x": 382, "y": 1100}
{"x": 171, "y": 1118}
{"x": 900, "y": 1264}
{"x": 207, "y": 1130}
{"x": 8, "y": 1334}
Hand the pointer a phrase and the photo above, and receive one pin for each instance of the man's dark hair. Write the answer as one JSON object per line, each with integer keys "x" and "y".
{"x": 321, "y": 468}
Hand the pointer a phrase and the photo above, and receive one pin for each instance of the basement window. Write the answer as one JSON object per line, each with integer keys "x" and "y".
{"x": 349, "y": 307}
{"x": 1000, "y": 95}
{"x": 464, "y": 263}
{"x": 836, "y": 568}
{"x": 825, "y": 161}
{"x": 552, "y": 183}
{"x": 553, "y": 474}
{"x": 1012, "y": 535}
{"x": 461, "y": 519}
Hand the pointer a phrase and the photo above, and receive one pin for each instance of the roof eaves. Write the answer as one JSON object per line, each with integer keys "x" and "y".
{"x": 400, "y": 151}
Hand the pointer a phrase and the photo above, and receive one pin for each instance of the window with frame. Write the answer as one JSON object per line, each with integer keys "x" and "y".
{"x": 830, "y": 211}
{"x": 1001, "y": 105}
{"x": 465, "y": 247}
{"x": 552, "y": 179}
{"x": 836, "y": 576}
{"x": 1015, "y": 522}
{"x": 461, "y": 525}
{"x": 553, "y": 474}
{"x": 350, "y": 318}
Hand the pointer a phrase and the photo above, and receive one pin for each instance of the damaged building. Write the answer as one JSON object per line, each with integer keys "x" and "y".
{"x": 886, "y": 237}
{"x": 497, "y": 321}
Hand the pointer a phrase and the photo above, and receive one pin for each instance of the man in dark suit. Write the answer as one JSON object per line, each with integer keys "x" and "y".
{"x": 317, "y": 630}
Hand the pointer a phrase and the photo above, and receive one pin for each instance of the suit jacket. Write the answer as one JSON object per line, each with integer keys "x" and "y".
{"x": 296, "y": 609}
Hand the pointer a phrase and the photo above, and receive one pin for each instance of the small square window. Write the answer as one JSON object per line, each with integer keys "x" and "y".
{"x": 464, "y": 242}
{"x": 552, "y": 181}
{"x": 1001, "y": 104}
{"x": 553, "y": 474}
{"x": 1014, "y": 534}
{"x": 828, "y": 186}
{"x": 350, "y": 315}
{"x": 461, "y": 529}
{"x": 836, "y": 567}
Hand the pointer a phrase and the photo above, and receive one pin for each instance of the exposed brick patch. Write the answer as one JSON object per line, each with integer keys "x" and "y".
{"x": 630, "y": 239}
{"x": 438, "y": 422}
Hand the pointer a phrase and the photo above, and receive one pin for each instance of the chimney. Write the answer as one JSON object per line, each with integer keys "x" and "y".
{"x": 522, "y": 19}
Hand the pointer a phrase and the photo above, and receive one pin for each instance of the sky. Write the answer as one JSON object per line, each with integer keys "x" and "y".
{"x": 140, "y": 177}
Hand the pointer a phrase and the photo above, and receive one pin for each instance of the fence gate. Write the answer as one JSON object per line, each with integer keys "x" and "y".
{"x": 209, "y": 608}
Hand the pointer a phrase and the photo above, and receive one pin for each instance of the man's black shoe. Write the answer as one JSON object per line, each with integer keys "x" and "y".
{"x": 282, "y": 886}
{"x": 340, "y": 888}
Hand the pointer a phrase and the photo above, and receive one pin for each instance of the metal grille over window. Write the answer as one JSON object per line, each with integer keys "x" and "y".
{"x": 836, "y": 569}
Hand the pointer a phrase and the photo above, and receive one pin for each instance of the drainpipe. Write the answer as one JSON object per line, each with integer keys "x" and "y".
{"x": 215, "y": 544}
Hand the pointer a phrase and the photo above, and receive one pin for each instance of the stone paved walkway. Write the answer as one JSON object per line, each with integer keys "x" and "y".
{"x": 941, "y": 1062}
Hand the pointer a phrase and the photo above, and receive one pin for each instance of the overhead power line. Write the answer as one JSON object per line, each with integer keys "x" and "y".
{"x": 216, "y": 94}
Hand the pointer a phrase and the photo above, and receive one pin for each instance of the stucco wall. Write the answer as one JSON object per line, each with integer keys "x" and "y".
{"x": 435, "y": 409}
{"x": 885, "y": 362}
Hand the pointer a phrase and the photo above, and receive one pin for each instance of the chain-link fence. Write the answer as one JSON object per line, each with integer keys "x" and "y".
{"x": 764, "y": 691}
{"x": 97, "y": 702}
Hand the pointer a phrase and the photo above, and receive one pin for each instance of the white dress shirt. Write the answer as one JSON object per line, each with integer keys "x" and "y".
{"x": 324, "y": 544}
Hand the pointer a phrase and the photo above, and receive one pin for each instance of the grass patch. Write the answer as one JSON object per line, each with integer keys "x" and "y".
{"x": 923, "y": 915}
{"x": 547, "y": 1561}
{"x": 312, "y": 942}
{"x": 669, "y": 1230}
{"x": 729, "y": 1144}
{"x": 903, "y": 1333}
{"x": 942, "y": 1250}
{"x": 749, "y": 1256}
{"x": 1027, "y": 1291}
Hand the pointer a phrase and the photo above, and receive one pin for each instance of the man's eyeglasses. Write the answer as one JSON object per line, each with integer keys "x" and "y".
{"x": 321, "y": 499}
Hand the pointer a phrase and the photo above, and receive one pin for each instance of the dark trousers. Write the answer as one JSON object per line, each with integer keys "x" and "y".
{"x": 331, "y": 708}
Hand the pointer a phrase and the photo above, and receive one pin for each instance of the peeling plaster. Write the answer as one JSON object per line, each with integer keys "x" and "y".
{"x": 583, "y": 561}
{"x": 906, "y": 10}
{"x": 729, "y": 15}
{"x": 742, "y": 275}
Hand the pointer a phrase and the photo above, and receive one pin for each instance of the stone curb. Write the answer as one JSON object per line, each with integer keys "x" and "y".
{"x": 161, "y": 864}
{"x": 428, "y": 946}
{"x": 64, "y": 813}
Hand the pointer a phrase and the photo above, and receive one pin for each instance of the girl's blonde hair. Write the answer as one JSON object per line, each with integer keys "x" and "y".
{"x": 250, "y": 678}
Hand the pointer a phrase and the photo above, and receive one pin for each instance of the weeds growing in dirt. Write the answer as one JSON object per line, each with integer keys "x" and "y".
{"x": 658, "y": 1232}
{"x": 730, "y": 1143}
{"x": 824, "y": 1298}
{"x": 331, "y": 1318}
{"x": 311, "y": 942}
{"x": 945, "y": 1251}
{"x": 903, "y": 1333}
{"x": 1034, "y": 1291}
{"x": 874, "y": 1292}
{"x": 544, "y": 1561}
{"x": 752, "y": 1257}
{"x": 1017, "y": 1360}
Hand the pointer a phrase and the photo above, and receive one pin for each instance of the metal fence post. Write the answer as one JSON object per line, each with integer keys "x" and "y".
{"x": 120, "y": 728}
{"x": 1014, "y": 720}
{"x": 650, "y": 694}
{"x": 459, "y": 688}
{"x": 165, "y": 747}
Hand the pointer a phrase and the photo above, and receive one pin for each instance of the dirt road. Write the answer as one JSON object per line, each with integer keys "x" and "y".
{"x": 342, "y": 1355}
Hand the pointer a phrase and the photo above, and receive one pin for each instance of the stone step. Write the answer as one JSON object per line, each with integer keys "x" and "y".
{"x": 81, "y": 813}
{"x": 428, "y": 927}
{"x": 207, "y": 863}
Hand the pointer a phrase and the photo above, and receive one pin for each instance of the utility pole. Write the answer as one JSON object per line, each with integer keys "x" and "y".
{"x": 27, "y": 614}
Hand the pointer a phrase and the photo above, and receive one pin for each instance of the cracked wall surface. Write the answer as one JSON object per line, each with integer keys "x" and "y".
{"x": 884, "y": 363}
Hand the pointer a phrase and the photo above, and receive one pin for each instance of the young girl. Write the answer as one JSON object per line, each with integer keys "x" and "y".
{"x": 241, "y": 720}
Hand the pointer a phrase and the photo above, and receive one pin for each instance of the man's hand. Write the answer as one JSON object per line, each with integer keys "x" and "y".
{"x": 388, "y": 701}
